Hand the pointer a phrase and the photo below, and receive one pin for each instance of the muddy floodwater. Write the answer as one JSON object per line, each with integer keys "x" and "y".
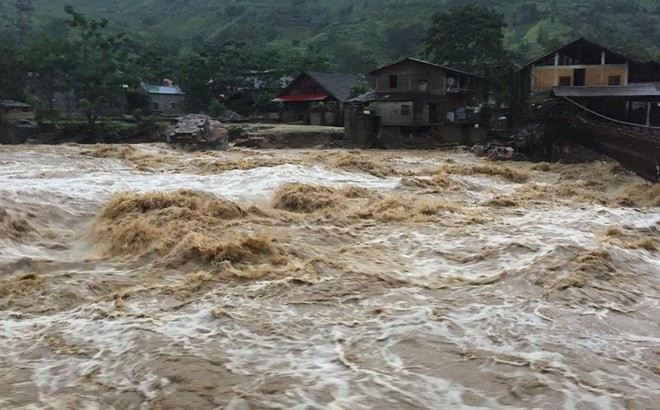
{"x": 141, "y": 277}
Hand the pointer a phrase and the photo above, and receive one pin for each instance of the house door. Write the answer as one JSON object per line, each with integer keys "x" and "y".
{"x": 579, "y": 76}
{"x": 433, "y": 113}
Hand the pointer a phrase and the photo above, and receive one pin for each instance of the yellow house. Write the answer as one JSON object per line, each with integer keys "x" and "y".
{"x": 581, "y": 63}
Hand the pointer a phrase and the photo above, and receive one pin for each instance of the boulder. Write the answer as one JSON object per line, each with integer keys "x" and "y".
{"x": 197, "y": 132}
{"x": 479, "y": 150}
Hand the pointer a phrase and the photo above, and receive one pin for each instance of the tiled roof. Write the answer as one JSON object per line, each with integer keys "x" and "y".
{"x": 337, "y": 85}
{"x": 163, "y": 89}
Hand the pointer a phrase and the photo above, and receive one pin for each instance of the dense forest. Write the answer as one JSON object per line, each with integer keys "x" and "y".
{"x": 207, "y": 45}
{"x": 358, "y": 34}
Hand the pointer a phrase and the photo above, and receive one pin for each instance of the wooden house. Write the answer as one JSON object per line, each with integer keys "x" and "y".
{"x": 316, "y": 98}
{"x": 416, "y": 92}
{"x": 412, "y": 98}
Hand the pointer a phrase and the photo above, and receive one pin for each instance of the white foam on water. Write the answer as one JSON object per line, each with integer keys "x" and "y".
{"x": 584, "y": 353}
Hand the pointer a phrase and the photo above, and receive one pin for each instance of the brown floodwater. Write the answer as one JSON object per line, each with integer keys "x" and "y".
{"x": 142, "y": 277}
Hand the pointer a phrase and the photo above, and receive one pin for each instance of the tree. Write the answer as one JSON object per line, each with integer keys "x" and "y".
{"x": 470, "y": 38}
{"x": 100, "y": 65}
{"x": 466, "y": 37}
{"x": 50, "y": 60}
{"x": 214, "y": 70}
{"x": 12, "y": 76}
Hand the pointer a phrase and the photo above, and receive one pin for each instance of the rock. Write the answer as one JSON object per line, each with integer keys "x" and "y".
{"x": 479, "y": 150}
{"x": 229, "y": 116}
{"x": 493, "y": 155}
{"x": 197, "y": 131}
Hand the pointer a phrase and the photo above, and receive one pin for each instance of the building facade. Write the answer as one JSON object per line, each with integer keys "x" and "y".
{"x": 416, "y": 92}
{"x": 415, "y": 103}
{"x": 584, "y": 63}
{"x": 166, "y": 99}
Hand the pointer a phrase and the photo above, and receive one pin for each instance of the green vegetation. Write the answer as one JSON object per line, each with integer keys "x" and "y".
{"x": 213, "y": 49}
{"x": 361, "y": 34}
{"x": 466, "y": 38}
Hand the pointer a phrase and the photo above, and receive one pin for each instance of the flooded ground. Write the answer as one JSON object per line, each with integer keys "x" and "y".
{"x": 140, "y": 277}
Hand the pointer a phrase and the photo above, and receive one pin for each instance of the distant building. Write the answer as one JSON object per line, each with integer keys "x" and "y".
{"x": 166, "y": 99}
{"x": 10, "y": 109}
{"x": 590, "y": 77}
{"x": 316, "y": 98}
{"x": 583, "y": 63}
{"x": 413, "y": 98}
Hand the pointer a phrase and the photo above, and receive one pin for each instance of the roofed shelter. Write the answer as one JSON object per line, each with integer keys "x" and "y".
{"x": 313, "y": 87}
{"x": 637, "y": 103}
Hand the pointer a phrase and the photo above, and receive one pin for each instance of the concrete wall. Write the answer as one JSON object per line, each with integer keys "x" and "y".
{"x": 358, "y": 128}
{"x": 167, "y": 104}
{"x": 430, "y": 136}
{"x": 393, "y": 112}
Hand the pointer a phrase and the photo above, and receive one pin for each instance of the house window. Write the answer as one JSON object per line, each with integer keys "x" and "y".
{"x": 155, "y": 106}
{"x": 173, "y": 106}
{"x": 405, "y": 110}
{"x": 393, "y": 81}
{"x": 614, "y": 80}
{"x": 565, "y": 81}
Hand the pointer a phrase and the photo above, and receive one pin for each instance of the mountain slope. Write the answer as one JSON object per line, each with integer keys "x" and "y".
{"x": 364, "y": 33}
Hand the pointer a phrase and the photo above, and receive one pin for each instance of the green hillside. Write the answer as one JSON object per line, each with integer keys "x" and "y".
{"x": 360, "y": 34}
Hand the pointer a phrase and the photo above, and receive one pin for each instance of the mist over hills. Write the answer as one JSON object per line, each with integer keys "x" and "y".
{"x": 360, "y": 34}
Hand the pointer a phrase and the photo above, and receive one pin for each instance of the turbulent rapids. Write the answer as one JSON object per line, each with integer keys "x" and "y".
{"x": 143, "y": 277}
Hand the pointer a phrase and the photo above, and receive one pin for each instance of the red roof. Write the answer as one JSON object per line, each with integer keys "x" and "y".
{"x": 302, "y": 97}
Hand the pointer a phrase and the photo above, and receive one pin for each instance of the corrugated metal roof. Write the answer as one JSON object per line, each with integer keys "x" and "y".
{"x": 163, "y": 89}
{"x": 631, "y": 90}
{"x": 13, "y": 104}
